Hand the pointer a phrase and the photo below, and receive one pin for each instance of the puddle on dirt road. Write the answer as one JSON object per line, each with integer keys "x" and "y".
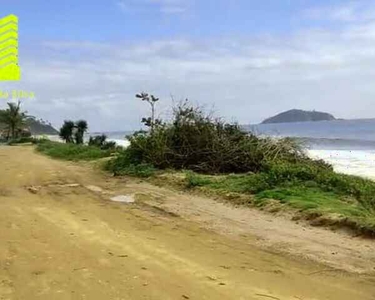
{"x": 94, "y": 188}
{"x": 123, "y": 199}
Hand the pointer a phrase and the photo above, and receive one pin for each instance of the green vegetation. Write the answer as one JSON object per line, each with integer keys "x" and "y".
{"x": 197, "y": 141}
{"x": 124, "y": 164}
{"x": 75, "y": 149}
{"x": 13, "y": 120}
{"x": 152, "y": 100}
{"x": 81, "y": 128}
{"x": 71, "y": 152}
{"x": 16, "y": 124}
{"x": 73, "y": 132}
{"x": 137, "y": 170}
{"x": 220, "y": 158}
{"x": 317, "y": 192}
{"x": 66, "y": 131}
{"x": 223, "y": 159}
{"x": 101, "y": 142}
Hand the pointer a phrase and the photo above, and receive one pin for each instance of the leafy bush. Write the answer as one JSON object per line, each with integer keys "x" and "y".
{"x": 304, "y": 170}
{"x": 125, "y": 164}
{"x": 97, "y": 141}
{"x": 101, "y": 142}
{"x": 196, "y": 141}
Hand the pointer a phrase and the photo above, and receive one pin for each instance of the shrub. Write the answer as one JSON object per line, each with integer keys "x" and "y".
{"x": 304, "y": 170}
{"x": 101, "y": 142}
{"x": 126, "y": 163}
{"x": 97, "y": 141}
{"x": 196, "y": 141}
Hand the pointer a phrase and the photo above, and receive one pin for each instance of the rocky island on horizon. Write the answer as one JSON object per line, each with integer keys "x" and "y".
{"x": 298, "y": 115}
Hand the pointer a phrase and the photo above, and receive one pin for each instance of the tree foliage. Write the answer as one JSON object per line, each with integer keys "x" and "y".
{"x": 66, "y": 131}
{"x": 14, "y": 119}
{"x": 81, "y": 127}
{"x": 73, "y": 132}
{"x": 101, "y": 142}
{"x": 151, "y": 99}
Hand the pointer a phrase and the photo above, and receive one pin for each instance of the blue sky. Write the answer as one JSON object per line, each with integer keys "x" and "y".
{"x": 248, "y": 59}
{"x": 139, "y": 19}
{"x": 144, "y": 19}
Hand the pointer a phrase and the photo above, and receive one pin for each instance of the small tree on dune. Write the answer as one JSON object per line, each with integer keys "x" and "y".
{"x": 72, "y": 132}
{"x": 150, "y": 121}
{"x": 81, "y": 128}
{"x": 66, "y": 131}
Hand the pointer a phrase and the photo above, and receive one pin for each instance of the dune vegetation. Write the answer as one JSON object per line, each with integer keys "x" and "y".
{"x": 72, "y": 152}
{"x": 197, "y": 151}
{"x": 74, "y": 148}
{"x": 219, "y": 157}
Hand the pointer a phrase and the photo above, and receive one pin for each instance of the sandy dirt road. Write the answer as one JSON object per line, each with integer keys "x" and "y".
{"x": 62, "y": 238}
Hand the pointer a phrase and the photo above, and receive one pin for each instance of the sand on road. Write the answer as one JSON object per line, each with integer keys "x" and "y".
{"x": 61, "y": 237}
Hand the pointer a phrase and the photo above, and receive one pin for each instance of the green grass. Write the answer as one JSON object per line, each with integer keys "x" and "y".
{"x": 71, "y": 152}
{"x": 348, "y": 200}
{"x": 141, "y": 170}
{"x": 124, "y": 164}
{"x": 306, "y": 198}
{"x": 194, "y": 180}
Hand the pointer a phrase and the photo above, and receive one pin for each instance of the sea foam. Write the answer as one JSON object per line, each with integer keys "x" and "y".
{"x": 352, "y": 162}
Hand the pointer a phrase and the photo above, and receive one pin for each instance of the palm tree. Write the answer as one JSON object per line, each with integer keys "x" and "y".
{"x": 66, "y": 131}
{"x": 13, "y": 118}
{"x": 81, "y": 127}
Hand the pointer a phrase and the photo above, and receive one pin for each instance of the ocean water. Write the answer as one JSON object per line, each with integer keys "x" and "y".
{"x": 349, "y": 145}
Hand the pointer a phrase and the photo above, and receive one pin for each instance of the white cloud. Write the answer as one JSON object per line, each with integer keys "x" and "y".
{"x": 351, "y": 11}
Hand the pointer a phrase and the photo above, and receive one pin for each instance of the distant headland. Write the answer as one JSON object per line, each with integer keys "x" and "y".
{"x": 33, "y": 126}
{"x": 298, "y": 115}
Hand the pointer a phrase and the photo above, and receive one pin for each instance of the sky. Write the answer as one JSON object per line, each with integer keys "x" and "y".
{"x": 244, "y": 59}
